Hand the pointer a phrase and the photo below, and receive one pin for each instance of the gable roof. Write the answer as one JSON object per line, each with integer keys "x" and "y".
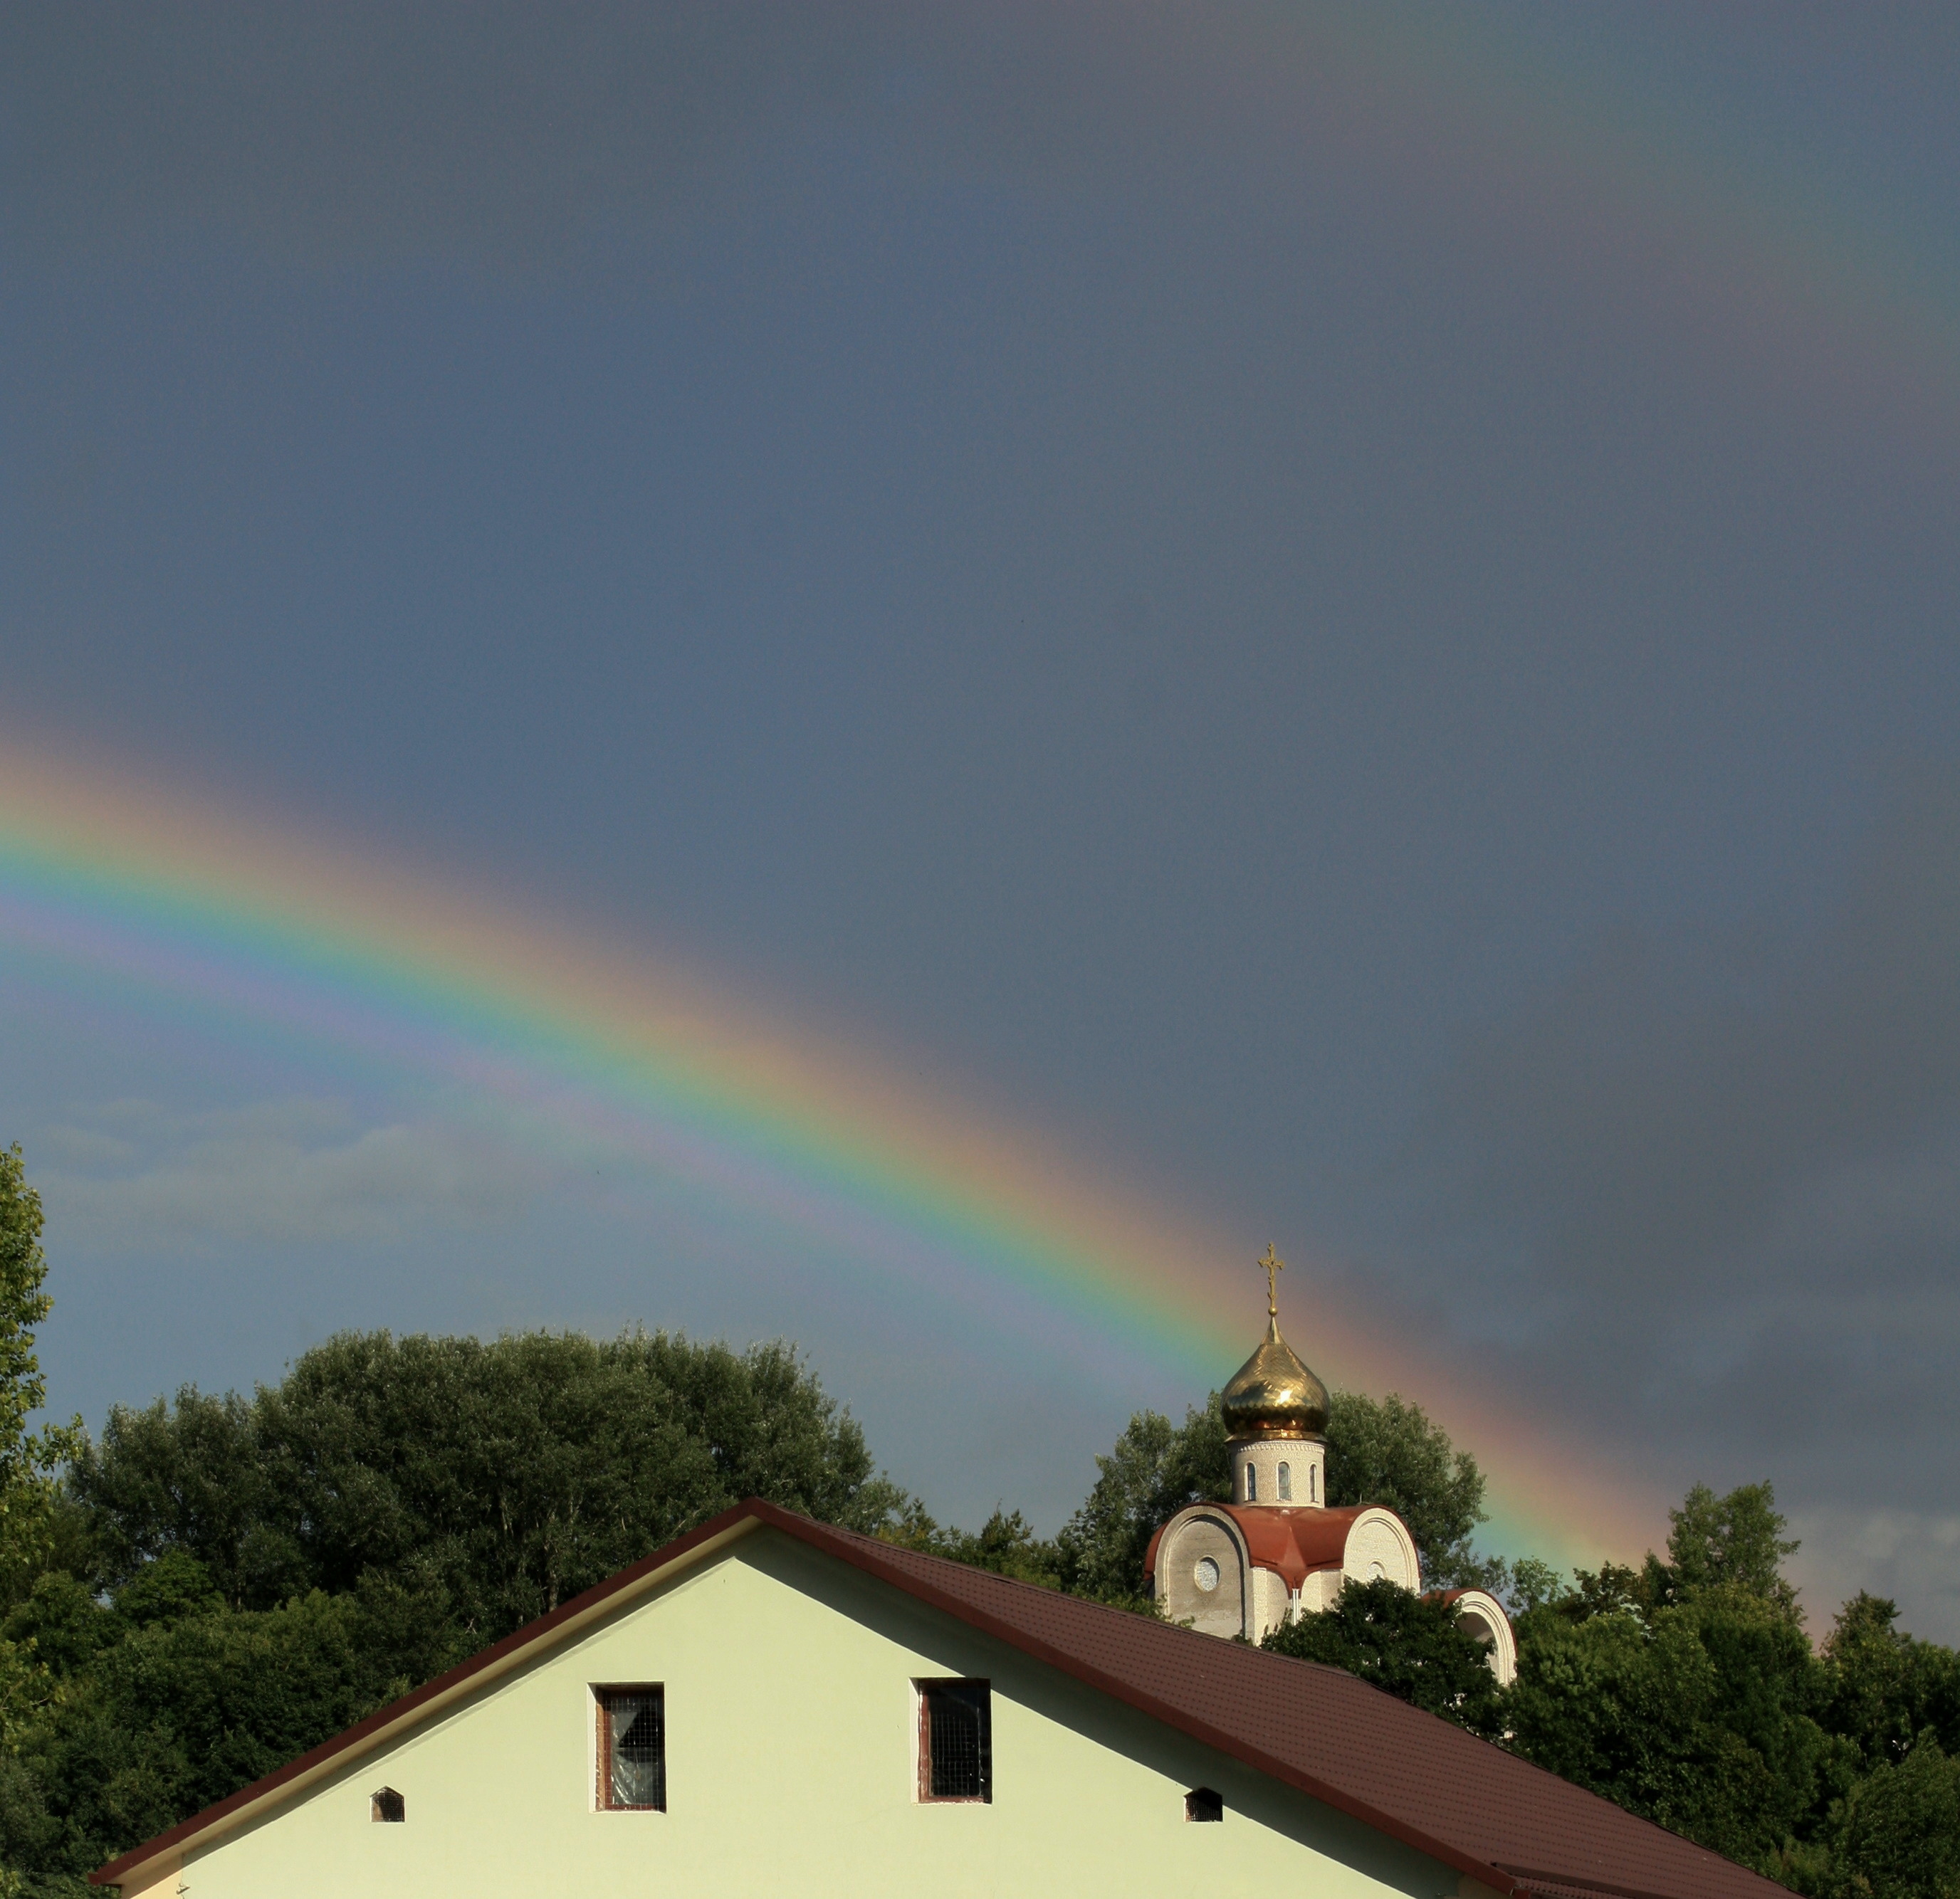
{"x": 1511, "y": 1826}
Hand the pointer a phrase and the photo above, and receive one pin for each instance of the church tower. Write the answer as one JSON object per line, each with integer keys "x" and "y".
{"x": 1277, "y": 1550}
{"x": 1276, "y": 1418}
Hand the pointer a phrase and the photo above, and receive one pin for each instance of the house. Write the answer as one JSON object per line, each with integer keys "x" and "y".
{"x": 1276, "y": 1551}
{"x": 771, "y": 1705}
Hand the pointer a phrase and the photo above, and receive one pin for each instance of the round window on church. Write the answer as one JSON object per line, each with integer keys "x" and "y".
{"x": 1205, "y": 1574}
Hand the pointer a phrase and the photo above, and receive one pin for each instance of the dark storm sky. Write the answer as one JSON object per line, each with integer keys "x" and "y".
{"x": 1357, "y": 607}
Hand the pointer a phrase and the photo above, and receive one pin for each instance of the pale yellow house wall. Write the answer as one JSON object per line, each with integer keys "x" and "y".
{"x": 791, "y": 1767}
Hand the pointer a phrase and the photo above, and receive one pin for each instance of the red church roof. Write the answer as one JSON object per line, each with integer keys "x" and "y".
{"x": 1295, "y": 1542}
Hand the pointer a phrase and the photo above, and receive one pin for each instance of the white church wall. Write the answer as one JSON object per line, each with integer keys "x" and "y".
{"x": 1270, "y": 1602}
{"x": 1379, "y": 1545}
{"x": 1319, "y": 1589}
{"x": 1482, "y": 1615}
{"x": 1203, "y": 1576}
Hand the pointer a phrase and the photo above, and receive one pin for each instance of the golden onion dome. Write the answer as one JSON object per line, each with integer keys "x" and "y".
{"x": 1273, "y": 1394}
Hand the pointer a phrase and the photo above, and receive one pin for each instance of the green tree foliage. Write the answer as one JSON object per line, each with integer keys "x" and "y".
{"x": 1387, "y": 1451}
{"x": 1697, "y": 1716}
{"x": 1733, "y": 1541}
{"x": 512, "y": 1474}
{"x": 1006, "y": 1544}
{"x": 1897, "y": 1835}
{"x": 29, "y": 1460}
{"x": 1153, "y": 1470}
{"x": 1411, "y": 1647}
{"x": 1884, "y": 1689}
{"x": 1687, "y": 1691}
{"x": 177, "y": 1712}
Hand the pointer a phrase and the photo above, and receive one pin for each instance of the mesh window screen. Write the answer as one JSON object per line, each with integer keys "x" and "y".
{"x": 632, "y": 1748}
{"x": 956, "y": 1728}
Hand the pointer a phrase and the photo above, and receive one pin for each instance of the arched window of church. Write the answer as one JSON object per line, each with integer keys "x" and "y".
{"x": 1286, "y": 1483}
{"x": 1312, "y": 1485}
{"x": 1251, "y": 1484}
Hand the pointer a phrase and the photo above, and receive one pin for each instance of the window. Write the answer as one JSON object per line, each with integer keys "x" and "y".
{"x": 1286, "y": 1483}
{"x": 1313, "y": 1483}
{"x": 1251, "y": 1484}
{"x": 387, "y": 1804}
{"x": 632, "y": 1753}
{"x": 956, "y": 1741}
{"x": 1200, "y": 1803}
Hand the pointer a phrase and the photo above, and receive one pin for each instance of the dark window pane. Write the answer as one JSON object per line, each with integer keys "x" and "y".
{"x": 1200, "y": 1803}
{"x": 959, "y": 1740}
{"x": 632, "y": 1734}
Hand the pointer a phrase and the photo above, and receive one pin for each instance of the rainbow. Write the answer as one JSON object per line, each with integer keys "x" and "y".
{"x": 160, "y": 897}
{"x": 248, "y": 926}
{"x": 1758, "y": 241}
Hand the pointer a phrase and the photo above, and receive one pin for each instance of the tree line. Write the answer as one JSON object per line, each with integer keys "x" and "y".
{"x": 218, "y": 1583}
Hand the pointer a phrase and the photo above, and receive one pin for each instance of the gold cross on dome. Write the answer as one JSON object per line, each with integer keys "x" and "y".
{"x": 1273, "y": 1266}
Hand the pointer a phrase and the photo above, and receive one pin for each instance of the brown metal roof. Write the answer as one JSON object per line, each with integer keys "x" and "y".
{"x": 1484, "y": 1812}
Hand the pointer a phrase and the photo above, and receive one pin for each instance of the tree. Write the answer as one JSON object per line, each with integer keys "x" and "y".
{"x": 1153, "y": 1471}
{"x": 280, "y": 1566}
{"x": 509, "y": 1475}
{"x": 1685, "y": 1691}
{"x": 184, "y": 1709}
{"x": 29, "y": 1460}
{"x": 1386, "y": 1451}
{"x": 1622, "y": 1708}
{"x": 1005, "y": 1544}
{"x": 1884, "y": 1689}
{"x": 191, "y": 1476}
{"x": 1899, "y": 1834}
{"x": 1411, "y": 1647}
{"x": 1734, "y": 1541}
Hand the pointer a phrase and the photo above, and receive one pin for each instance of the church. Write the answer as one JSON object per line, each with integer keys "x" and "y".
{"x": 772, "y": 1704}
{"x": 1277, "y": 1550}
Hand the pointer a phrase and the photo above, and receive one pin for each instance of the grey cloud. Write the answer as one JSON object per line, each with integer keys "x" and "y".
{"x": 280, "y": 1172}
{"x": 505, "y": 133}
{"x": 1652, "y": 1115}
{"x": 1911, "y": 1556}
{"x": 84, "y": 1147}
{"x": 1729, "y": 1194}
{"x": 352, "y": 130}
{"x": 298, "y": 1116}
